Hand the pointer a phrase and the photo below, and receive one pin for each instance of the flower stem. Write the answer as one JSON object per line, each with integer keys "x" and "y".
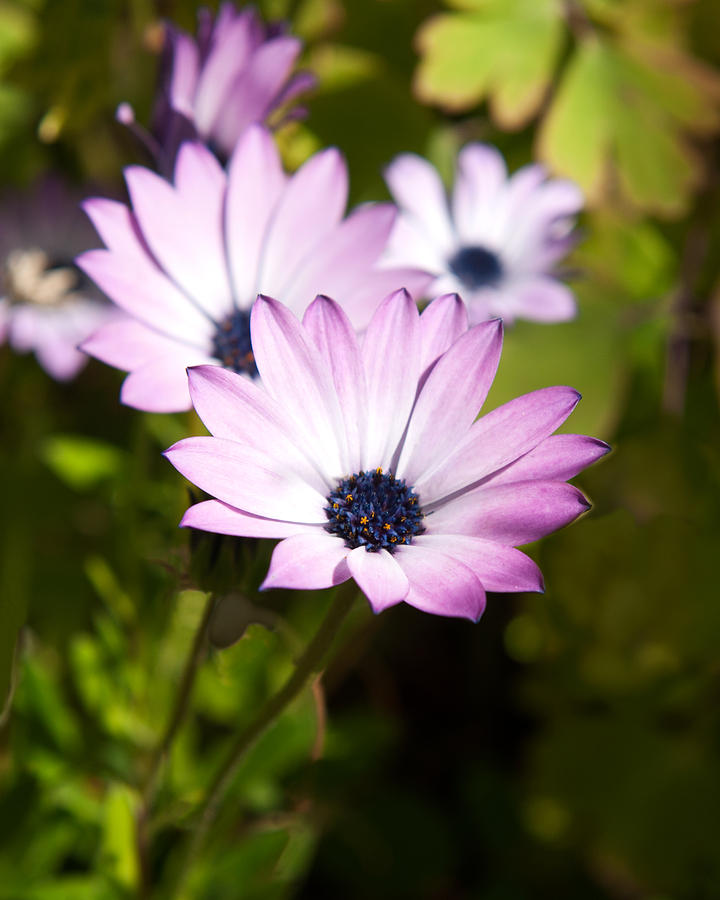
{"x": 180, "y": 709}
{"x": 182, "y": 701}
{"x": 307, "y": 665}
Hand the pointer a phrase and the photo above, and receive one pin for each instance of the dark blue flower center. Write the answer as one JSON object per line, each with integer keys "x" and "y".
{"x": 476, "y": 267}
{"x": 374, "y": 510}
{"x": 231, "y": 343}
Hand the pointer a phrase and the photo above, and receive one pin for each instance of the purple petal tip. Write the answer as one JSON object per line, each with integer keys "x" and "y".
{"x": 183, "y": 523}
{"x": 606, "y": 447}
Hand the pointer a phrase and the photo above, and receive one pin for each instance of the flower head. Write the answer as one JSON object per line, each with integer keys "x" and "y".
{"x": 237, "y": 71}
{"x": 498, "y": 240}
{"x": 365, "y": 458}
{"x": 46, "y": 305}
{"x": 188, "y": 260}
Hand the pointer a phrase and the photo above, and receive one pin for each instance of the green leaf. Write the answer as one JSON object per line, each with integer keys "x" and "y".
{"x": 106, "y": 689}
{"x": 40, "y": 697}
{"x": 236, "y": 682}
{"x": 297, "y": 855}
{"x": 109, "y": 589}
{"x": 621, "y": 123}
{"x": 79, "y": 887}
{"x": 249, "y": 866}
{"x": 505, "y": 50}
{"x": 118, "y": 852}
{"x": 576, "y": 135}
{"x": 688, "y": 89}
{"x": 82, "y": 462}
{"x": 17, "y": 33}
{"x": 340, "y": 67}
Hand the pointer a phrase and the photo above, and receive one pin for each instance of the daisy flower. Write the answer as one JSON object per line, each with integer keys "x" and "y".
{"x": 236, "y": 71}
{"x": 46, "y": 305}
{"x": 187, "y": 260}
{"x": 497, "y": 240}
{"x": 365, "y": 459}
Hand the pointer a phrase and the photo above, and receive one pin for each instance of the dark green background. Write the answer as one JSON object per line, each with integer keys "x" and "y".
{"x": 568, "y": 745}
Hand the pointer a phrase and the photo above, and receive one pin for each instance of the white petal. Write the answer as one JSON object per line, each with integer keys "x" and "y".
{"x": 255, "y": 184}
{"x": 418, "y": 190}
{"x": 297, "y": 377}
{"x": 479, "y": 179}
{"x": 391, "y": 352}
{"x": 311, "y": 206}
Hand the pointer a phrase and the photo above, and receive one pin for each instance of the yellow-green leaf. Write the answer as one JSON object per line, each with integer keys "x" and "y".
{"x": 118, "y": 852}
{"x": 575, "y": 137}
{"x": 82, "y": 462}
{"x": 339, "y": 67}
{"x": 622, "y": 121}
{"x": 505, "y": 51}
{"x": 17, "y": 32}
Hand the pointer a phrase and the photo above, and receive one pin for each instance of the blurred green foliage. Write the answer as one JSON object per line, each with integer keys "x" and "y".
{"x": 568, "y": 746}
{"x": 617, "y": 117}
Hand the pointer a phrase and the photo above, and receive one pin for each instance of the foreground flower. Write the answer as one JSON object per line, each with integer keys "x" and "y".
{"x": 235, "y": 72}
{"x": 187, "y": 261}
{"x": 497, "y": 242}
{"x": 366, "y": 459}
{"x": 44, "y": 307}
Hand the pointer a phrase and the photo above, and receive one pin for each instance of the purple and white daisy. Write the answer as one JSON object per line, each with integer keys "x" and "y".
{"x": 496, "y": 242}
{"x": 44, "y": 306}
{"x": 188, "y": 259}
{"x": 237, "y": 71}
{"x": 365, "y": 459}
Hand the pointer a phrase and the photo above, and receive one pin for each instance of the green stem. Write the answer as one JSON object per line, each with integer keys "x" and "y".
{"x": 309, "y": 663}
{"x": 180, "y": 709}
{"x": 182, "y": 702}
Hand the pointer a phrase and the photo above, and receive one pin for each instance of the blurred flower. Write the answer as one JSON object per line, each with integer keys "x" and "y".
{"x": 187, "y": 261}
{"x": 46, "y": 304}
{"x": 498, "y": 243}
{"x": 235, "y": 72}
{"x": 366, "y": 459}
